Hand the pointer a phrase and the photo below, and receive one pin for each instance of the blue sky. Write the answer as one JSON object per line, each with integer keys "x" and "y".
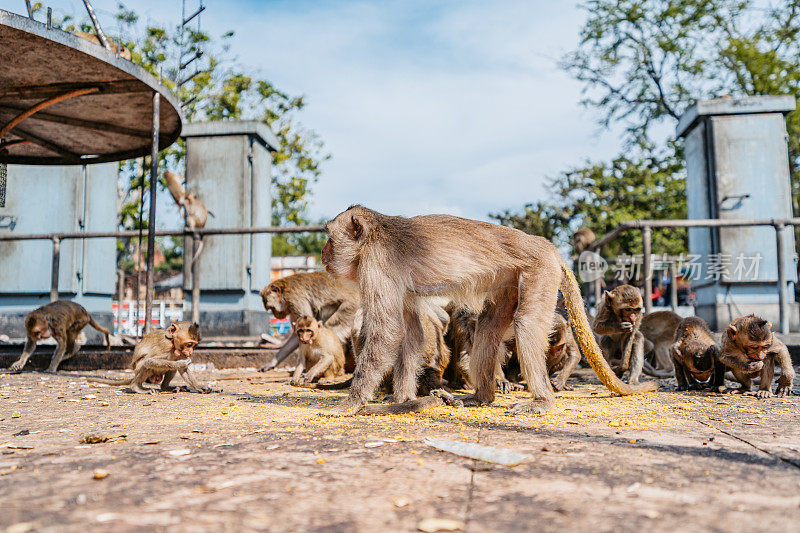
{"x": 426, "y": 106}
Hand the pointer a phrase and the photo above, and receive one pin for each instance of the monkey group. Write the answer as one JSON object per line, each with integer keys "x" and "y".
{"x": 427, "y": 305}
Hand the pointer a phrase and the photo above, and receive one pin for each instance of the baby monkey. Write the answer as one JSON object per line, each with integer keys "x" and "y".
{"x": 159, "y": 356}
{"x": 617, "y": 323}
{"x": 694, "y": 353}
{"x": 563, "y": 354}
{"x": 320, "y": 349}
{"x": 63, "y": 320}
{"x": 750, "y": 350}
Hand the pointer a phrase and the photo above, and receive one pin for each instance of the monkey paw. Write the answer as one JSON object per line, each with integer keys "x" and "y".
{"x": 346, "y": 408}
{"x": 269, "y": 366}
{"x": 783, "y": 390}
{"x": 733, "y": 391}
{"x": 448, "y": 398}
{"x": 16, "y": 366}
{"x": 626, "y": 326}
{"x": 532, "y": 407}
{"x": 504, "y": 386}
{"x": 760, "y": 394}
{"x": 558, "y": 386}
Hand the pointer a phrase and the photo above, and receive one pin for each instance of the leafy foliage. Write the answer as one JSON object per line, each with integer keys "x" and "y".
{"x": 643, "y": 63}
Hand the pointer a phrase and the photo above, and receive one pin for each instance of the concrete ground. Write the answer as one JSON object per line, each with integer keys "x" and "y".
{"x": 256, "y": 456}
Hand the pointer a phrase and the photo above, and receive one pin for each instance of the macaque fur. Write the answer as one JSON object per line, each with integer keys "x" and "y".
{"x": 159, "y": 356}
{"x": 750, "y": 349}
{"x": 320, "y": 352}
{"x": 694, "y": 353}
{"x": 659, "y": 329}
{"x": 63, "y": 320}
{"x": 501, "y": 273}
{"x": 617, "y": 322}
{"x": 332, "y": 301}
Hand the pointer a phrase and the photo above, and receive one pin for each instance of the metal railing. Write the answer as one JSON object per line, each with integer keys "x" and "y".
{"x": 195, "y": 237}
{"x": 779, "y": 224}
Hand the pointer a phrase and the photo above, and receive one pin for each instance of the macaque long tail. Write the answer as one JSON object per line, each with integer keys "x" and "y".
{"x": 588, "y": 344}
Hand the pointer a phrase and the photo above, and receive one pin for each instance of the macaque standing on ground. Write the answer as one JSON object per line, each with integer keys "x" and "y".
{"x": 63, "y": 320}
{"x": 501, "y": 273}
{"x": 749, "y": 349}
{"x": 320, "y": 352}
{"x": 159, "y": 356}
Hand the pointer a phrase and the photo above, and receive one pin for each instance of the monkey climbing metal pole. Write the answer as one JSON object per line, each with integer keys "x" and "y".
{"x": 151, "y": 223}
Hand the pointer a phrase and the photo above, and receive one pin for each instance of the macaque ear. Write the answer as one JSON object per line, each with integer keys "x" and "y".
{"x": 356, "y": 228}
{"x": 171, "y": 331}
{"x": 607, "y": 294}
{"x": 732, "y": 331}
{"x": 768, "y": 324}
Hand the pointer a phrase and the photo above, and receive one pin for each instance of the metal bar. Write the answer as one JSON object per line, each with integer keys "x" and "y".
{"x": 54, "y": 89}
{"x": 188, "y": 19}
{"x": 151, "y": 227}
{"x": 54, "y": 271}
{"x": 197, "y": 55}
{"x": 49, "y": 145}
{"x": 49, "y": 18}
{"x": 195, "y": 280}
{"x": 598, "y": 291}
{"x": 100, "y": 35}
{"x": 188, "y": 78}
{"x": 81, "y": 123}
{"x": 120, "y": 294}
{"x": 30, "y": 9}
{"x": 673, "y": 286}
{"x": 648, "y": 269}
{"x": 783, "y": 301}
{"x": 43, "y": 104}
{"x": 162, "y": 233}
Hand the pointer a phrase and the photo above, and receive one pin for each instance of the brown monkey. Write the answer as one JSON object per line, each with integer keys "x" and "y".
{"x": 659, "y": 333}
{"x": 563, "y": 354}
{"x": 694, "y": 353}
{"x": 62, "y": 319}
{"x": 159, "y": 355}
{"x": 617, "y": 322}
{"x": 320, "y": 352}
{"x": 123, "y": 52}
{"x": 194, "y": 211}
{"x": 499, "y": 272}
{"x": 582, "y": 240}
{"x": 316, "y": 294}
{"x": 749, "y": 350}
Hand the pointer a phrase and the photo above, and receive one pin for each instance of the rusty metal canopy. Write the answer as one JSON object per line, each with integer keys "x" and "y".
{"x": 96, "y": 107}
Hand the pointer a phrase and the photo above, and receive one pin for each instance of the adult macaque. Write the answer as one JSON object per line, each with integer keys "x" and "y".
{"x": 159, "y": 356}
{"x": 320, "y": 352}
{"x": 659, "y": 329}
{"x": 63, "y": 320}
{"x": 694, "y": 353}
{"x": 331, "y": 301}
{"x": 501, "y": 273}
{"x": 563, "y": 354}
{"x": 617, "y": 322}
{"x": 750, "y": 350}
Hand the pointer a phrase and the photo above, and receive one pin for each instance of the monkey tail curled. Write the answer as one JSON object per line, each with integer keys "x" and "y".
{"x": 588, "y": 344}
{"x": 109, "y": 381}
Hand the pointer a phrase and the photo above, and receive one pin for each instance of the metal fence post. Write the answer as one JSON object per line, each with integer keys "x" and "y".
{"x": 54, "y": 272}
{"x": 195, "y": 280}
{"x": 151, "y": 228}
{"x": 783, "y": 301}
{"x": 648, "y": 269}
{"x": 673, "y": 285}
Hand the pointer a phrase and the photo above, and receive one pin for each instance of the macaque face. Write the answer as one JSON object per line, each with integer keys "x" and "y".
{"x": 756, "y": 351}
{"x": 273, "y": 300}
{"x": 629, "y": 314}
{"x": 701, "y": 362}
{"x": 184, "y": 337}
{"x": 40, "y": 329}
{"x": 306, "y": 328}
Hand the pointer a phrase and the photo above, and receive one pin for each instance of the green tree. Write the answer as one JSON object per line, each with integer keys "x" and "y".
{"x": 643, "y": 63}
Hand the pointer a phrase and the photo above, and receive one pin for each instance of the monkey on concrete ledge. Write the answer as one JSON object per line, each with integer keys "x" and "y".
{"x": 499, "y": 272}
{"x": 62, "y": 319}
